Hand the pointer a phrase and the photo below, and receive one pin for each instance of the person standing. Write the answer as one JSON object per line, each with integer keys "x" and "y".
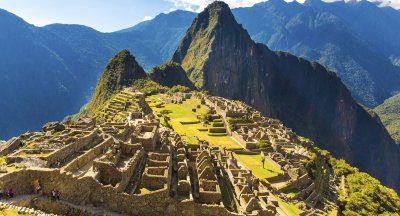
{"x": 262, "y": 161}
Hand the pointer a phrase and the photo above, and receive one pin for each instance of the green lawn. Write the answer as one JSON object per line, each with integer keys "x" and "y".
{"x": 253, "y": 163}
{"x": 183, "y": 113}
{"x": 142, "y": 190}
{"x": 2, "y": 160}
{"x": 289, "y": 208}
{"x": 9, "y": 212}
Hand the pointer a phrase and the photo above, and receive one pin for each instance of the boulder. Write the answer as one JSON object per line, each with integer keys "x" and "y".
{"x": 53, "y": 126}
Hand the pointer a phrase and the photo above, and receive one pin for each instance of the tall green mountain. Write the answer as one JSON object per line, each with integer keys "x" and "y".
{"x": 124, "y": 71}
{"x": 121, "y": 71}
{"x": 389, "y": 113}
{"x": 219, "y": 56}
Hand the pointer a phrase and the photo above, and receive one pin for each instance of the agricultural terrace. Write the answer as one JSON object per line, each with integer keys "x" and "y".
{"x": 184, "y": 121}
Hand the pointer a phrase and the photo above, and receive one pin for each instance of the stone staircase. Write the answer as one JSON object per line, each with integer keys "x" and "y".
{"x": 23, "y": 210}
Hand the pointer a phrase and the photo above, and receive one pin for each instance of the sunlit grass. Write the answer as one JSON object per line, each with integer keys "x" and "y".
{"x": 253, "y": 163}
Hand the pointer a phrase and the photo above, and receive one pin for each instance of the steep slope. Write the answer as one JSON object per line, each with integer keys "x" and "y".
{"x": 318, "y": 31}
{"x": 42, "y": 78}
{"x": 378, "y": 26}
{"x": 389, "y": 113}
{"x": 219, "y": 56}
{"x": 121, "y": 71}
{"x": 170, "y": 74}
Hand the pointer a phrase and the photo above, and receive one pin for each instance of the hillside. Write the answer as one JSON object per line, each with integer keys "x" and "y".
{"x": 389, "y": 113}
{"x": 219, "y": 56}
{"x": 42, "y": 78}
{"x": 170, "y": 74}
{"x": 121, "y": 72}
{"x": 63, "y": 62}
{"x": 362, "y": 58}
{"x": 337, "y": 35}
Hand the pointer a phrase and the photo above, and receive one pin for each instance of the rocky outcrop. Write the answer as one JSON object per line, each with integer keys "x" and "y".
{"x": 53, "y": 126}
{"x": 219, "y": 56}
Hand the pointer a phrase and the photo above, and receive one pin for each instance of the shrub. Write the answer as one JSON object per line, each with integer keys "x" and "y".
{"x": 218, "y": 124}
{"x": 165, "y": 112}
{"x": 263, "y": 143}
{"x": 179, "y": 88}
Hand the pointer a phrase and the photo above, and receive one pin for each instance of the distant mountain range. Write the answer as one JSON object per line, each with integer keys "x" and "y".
{"x": 49, "y": 72}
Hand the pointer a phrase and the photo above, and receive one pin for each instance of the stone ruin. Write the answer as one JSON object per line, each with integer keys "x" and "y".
{"x": 125, "y": 162}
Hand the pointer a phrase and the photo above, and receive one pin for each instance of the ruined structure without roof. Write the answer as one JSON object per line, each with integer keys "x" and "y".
{"x": 125, "y": 162}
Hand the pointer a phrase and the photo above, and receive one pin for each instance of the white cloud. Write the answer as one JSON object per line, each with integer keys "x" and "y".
{"x": 392, "y": 3}
{"x": 199, "y": 5}
{"x": 146, "y": 18}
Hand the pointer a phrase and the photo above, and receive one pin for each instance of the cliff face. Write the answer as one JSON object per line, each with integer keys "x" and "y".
{"x": 219, "y": 56}
{"x": 121, "y": 71}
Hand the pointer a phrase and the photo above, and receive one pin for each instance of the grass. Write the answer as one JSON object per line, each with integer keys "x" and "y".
{"x": 8, "y": 212}
{"x": 289, "y": 208}
{"x": 2, "y": 160}
{"x": 253, "y": 163}
{"x": 183, "y": 113}
{"x": 142, "y": 190}
{"x": 333, "y": 212}
{"x": 293, "y": 192}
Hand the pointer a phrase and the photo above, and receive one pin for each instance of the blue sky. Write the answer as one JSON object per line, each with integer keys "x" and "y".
{"x": 103, "y": 15}
{"x": 112, "y": 15}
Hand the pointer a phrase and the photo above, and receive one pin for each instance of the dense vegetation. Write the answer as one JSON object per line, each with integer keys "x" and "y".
{"x": 389, "y": 113}
{"x": 361, "y": 194}
{"x": 170, "y": 74}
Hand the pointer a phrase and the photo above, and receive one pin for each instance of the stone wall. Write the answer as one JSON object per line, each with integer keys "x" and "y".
{"x": 127, "y": 172}
{"x": 10, "y": 146}
{"x": 86, "y": 190}
{"x": 82, "y": 160}
{"x": 70, "y": 149}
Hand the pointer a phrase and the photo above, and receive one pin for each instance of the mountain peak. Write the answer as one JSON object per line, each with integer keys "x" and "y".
{"x": 215, "y": 13}
{"x": 211, "y": 30}
{"x": 217, "y": 6}
{"x": 121, "y": 71}
{"x": 313, "y": 2}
